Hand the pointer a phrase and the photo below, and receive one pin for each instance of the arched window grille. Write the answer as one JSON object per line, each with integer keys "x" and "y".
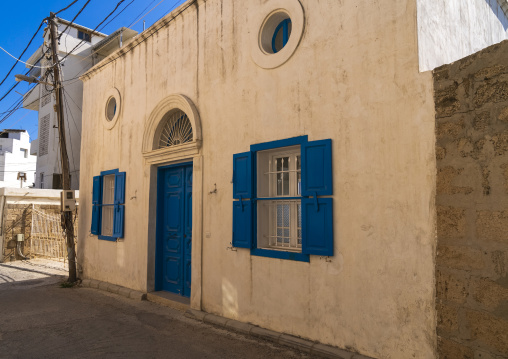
{"x": 176, "y": 130}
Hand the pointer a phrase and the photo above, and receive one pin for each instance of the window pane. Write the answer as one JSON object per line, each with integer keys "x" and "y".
{"x": 279, "y": 184}
{"x": 107, "y": 220}
{"x": 298, "y": 176}
{"x": 285, "y": 184}
{"x": 108, "y": 195}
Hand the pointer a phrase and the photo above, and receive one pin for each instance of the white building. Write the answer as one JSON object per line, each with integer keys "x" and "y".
{"x": 42, "y": 99}
{"x": 17, "y": 164}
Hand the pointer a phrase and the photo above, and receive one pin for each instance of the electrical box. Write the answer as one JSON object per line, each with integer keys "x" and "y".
{"x": 68, "y": 200}
{"x": 21, "y": 237}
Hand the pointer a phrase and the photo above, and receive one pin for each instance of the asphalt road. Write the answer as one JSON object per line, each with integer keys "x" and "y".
{"x": 39, "y": 319}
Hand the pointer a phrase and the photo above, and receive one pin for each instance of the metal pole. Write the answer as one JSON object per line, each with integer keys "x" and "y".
{"x": 67, "y": 223}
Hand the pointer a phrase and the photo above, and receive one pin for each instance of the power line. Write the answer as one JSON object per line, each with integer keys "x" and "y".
{"x": 20, "y": 56}
{"x": 23, "y": 62}
{"x": 79, "y": 44}
{"x": 160, "y": 2}
{"x": 65, "y": 8}
{"x": 132, "y": 23}
{"x": 137, "y": 44}
{"x": 106, "y": 24}
{"x": 74, "y": 18}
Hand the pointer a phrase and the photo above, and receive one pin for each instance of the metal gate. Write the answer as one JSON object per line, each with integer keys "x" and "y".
{"x": 48, "y": 237}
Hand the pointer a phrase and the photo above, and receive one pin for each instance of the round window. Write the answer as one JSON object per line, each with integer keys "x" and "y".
{"x": 281, "y": 35}
{"x": 276, "y": 32}
{"x": 111, "y": 109}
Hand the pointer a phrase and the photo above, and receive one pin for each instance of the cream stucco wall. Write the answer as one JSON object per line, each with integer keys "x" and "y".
{"x": 354, "y": 78}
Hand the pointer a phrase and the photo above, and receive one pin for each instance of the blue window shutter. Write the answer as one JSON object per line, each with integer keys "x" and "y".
{"x": 317, "y": 226}
{"x": 317, "y": 168}
{"x": 97, "y": 189}
{"x": 242, "y": 224}
{"x": 242, "y": 175}
{"x": 120, "y": 188}
{"x": 118, "y": 220}
{"x": 96, "y": 219}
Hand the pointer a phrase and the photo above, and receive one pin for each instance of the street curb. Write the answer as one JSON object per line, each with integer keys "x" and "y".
{"x": 113, "y": 288}
{"x": 307, "y": 346}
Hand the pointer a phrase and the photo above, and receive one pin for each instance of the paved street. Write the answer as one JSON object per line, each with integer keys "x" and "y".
{"x": 39, "y": 319}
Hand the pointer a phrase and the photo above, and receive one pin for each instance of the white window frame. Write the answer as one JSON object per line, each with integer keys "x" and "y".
{"x": 108, "y": 201}
{"x": 270, "y": 238}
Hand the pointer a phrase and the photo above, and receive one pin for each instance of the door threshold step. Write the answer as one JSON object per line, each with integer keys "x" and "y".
{"x": 168, "y": 299}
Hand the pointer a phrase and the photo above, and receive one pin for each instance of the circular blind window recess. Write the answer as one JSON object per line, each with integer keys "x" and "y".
{"x": 111, "y": 108}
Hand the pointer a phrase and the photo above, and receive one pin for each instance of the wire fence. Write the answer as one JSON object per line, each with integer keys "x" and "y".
{"x": 48, "y": 239}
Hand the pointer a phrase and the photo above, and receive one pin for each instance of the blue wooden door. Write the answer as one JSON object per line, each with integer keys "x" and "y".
{"x": 174, "y": 230}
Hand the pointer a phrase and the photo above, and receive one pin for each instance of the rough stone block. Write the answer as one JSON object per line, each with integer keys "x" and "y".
{"x": 124, "y": 292}
{"x": 492, "y": 226}
{"x": 491, "y": 92}
{"x": 113, "y": 288}
{"x": 440, "y": 153}
{"x": 85, "y": 283}
{"x": 215, "y": 320}
{"x": 446, "y": 101}
{"x": 445, "y": 177}
{"x": 451, "y": 222}
{"x": 330, "y": 352}
{"x": 103, "y": 286}
{"x": 134, "y": 294}
{"x": 490, "y": 72}
{"x": 265, "y": 334}
{"x": 196, "y": 314}
{"x": 447, "y": 318}
{"x": 294, "y": 342}
{"x": 239, "y": 326}
{"x": 503, "y": 115}
{"x": 451, "y": 129}
{"x": 480, "y": 354}
{"x": 465, "y": 258}
{"x": 499, "y": 262}
{"x": 449, "y": 349}
{"x": 481, "y": 121}
{"x": 94, "y": 283}
{"x": 452, "y": 287}
{"x": 489, "y": 330}
{"x": 500, "y": 141}
{"x": 491, "y": 295}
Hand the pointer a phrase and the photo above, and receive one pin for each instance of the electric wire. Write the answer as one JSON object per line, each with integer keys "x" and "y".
{"x": 106, "y": 24}
{"x": 65, "y": 8}
{"x": 132, "y": 23}
{"x": 74, "y": 18}
{"x": 100, "y": 65}
{"x": 20, "y": 56}
{"x": 160, "y": 2}
{"x": 23, "y": 62}
{"x": 81, "y": 42}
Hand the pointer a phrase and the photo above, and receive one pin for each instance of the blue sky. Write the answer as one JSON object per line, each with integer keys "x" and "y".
{"x": 23, "y": 19}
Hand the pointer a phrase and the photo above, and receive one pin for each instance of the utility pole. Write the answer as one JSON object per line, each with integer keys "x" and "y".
{"x": 67, "y": 222}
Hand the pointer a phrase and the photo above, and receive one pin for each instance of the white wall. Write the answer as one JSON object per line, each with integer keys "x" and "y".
{"x": 74, "y": 66}
{"x": 449, "y": 30}
{"x": 13, "y": 160}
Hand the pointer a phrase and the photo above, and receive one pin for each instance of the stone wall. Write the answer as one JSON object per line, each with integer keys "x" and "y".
{"x": 18, "y": 220}
{"x": 471, "y": 98}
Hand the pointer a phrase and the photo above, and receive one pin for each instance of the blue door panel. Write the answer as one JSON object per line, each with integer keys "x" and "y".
{"x": 174, "y": 230}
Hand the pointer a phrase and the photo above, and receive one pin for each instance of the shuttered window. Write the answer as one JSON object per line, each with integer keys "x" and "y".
{"x": 108, "y": 209}
{"x": 282, "y": 206}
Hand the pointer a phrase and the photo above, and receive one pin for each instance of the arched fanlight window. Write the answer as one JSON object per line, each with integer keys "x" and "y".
{"x": 176, "y": 130}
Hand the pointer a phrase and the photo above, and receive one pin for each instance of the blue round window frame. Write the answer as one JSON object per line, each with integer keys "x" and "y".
{"x": 284, "y": 26}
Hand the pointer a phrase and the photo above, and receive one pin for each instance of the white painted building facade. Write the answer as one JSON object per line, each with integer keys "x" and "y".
{"x": 17, "y": 164}
{"x": 42, "y": 99}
